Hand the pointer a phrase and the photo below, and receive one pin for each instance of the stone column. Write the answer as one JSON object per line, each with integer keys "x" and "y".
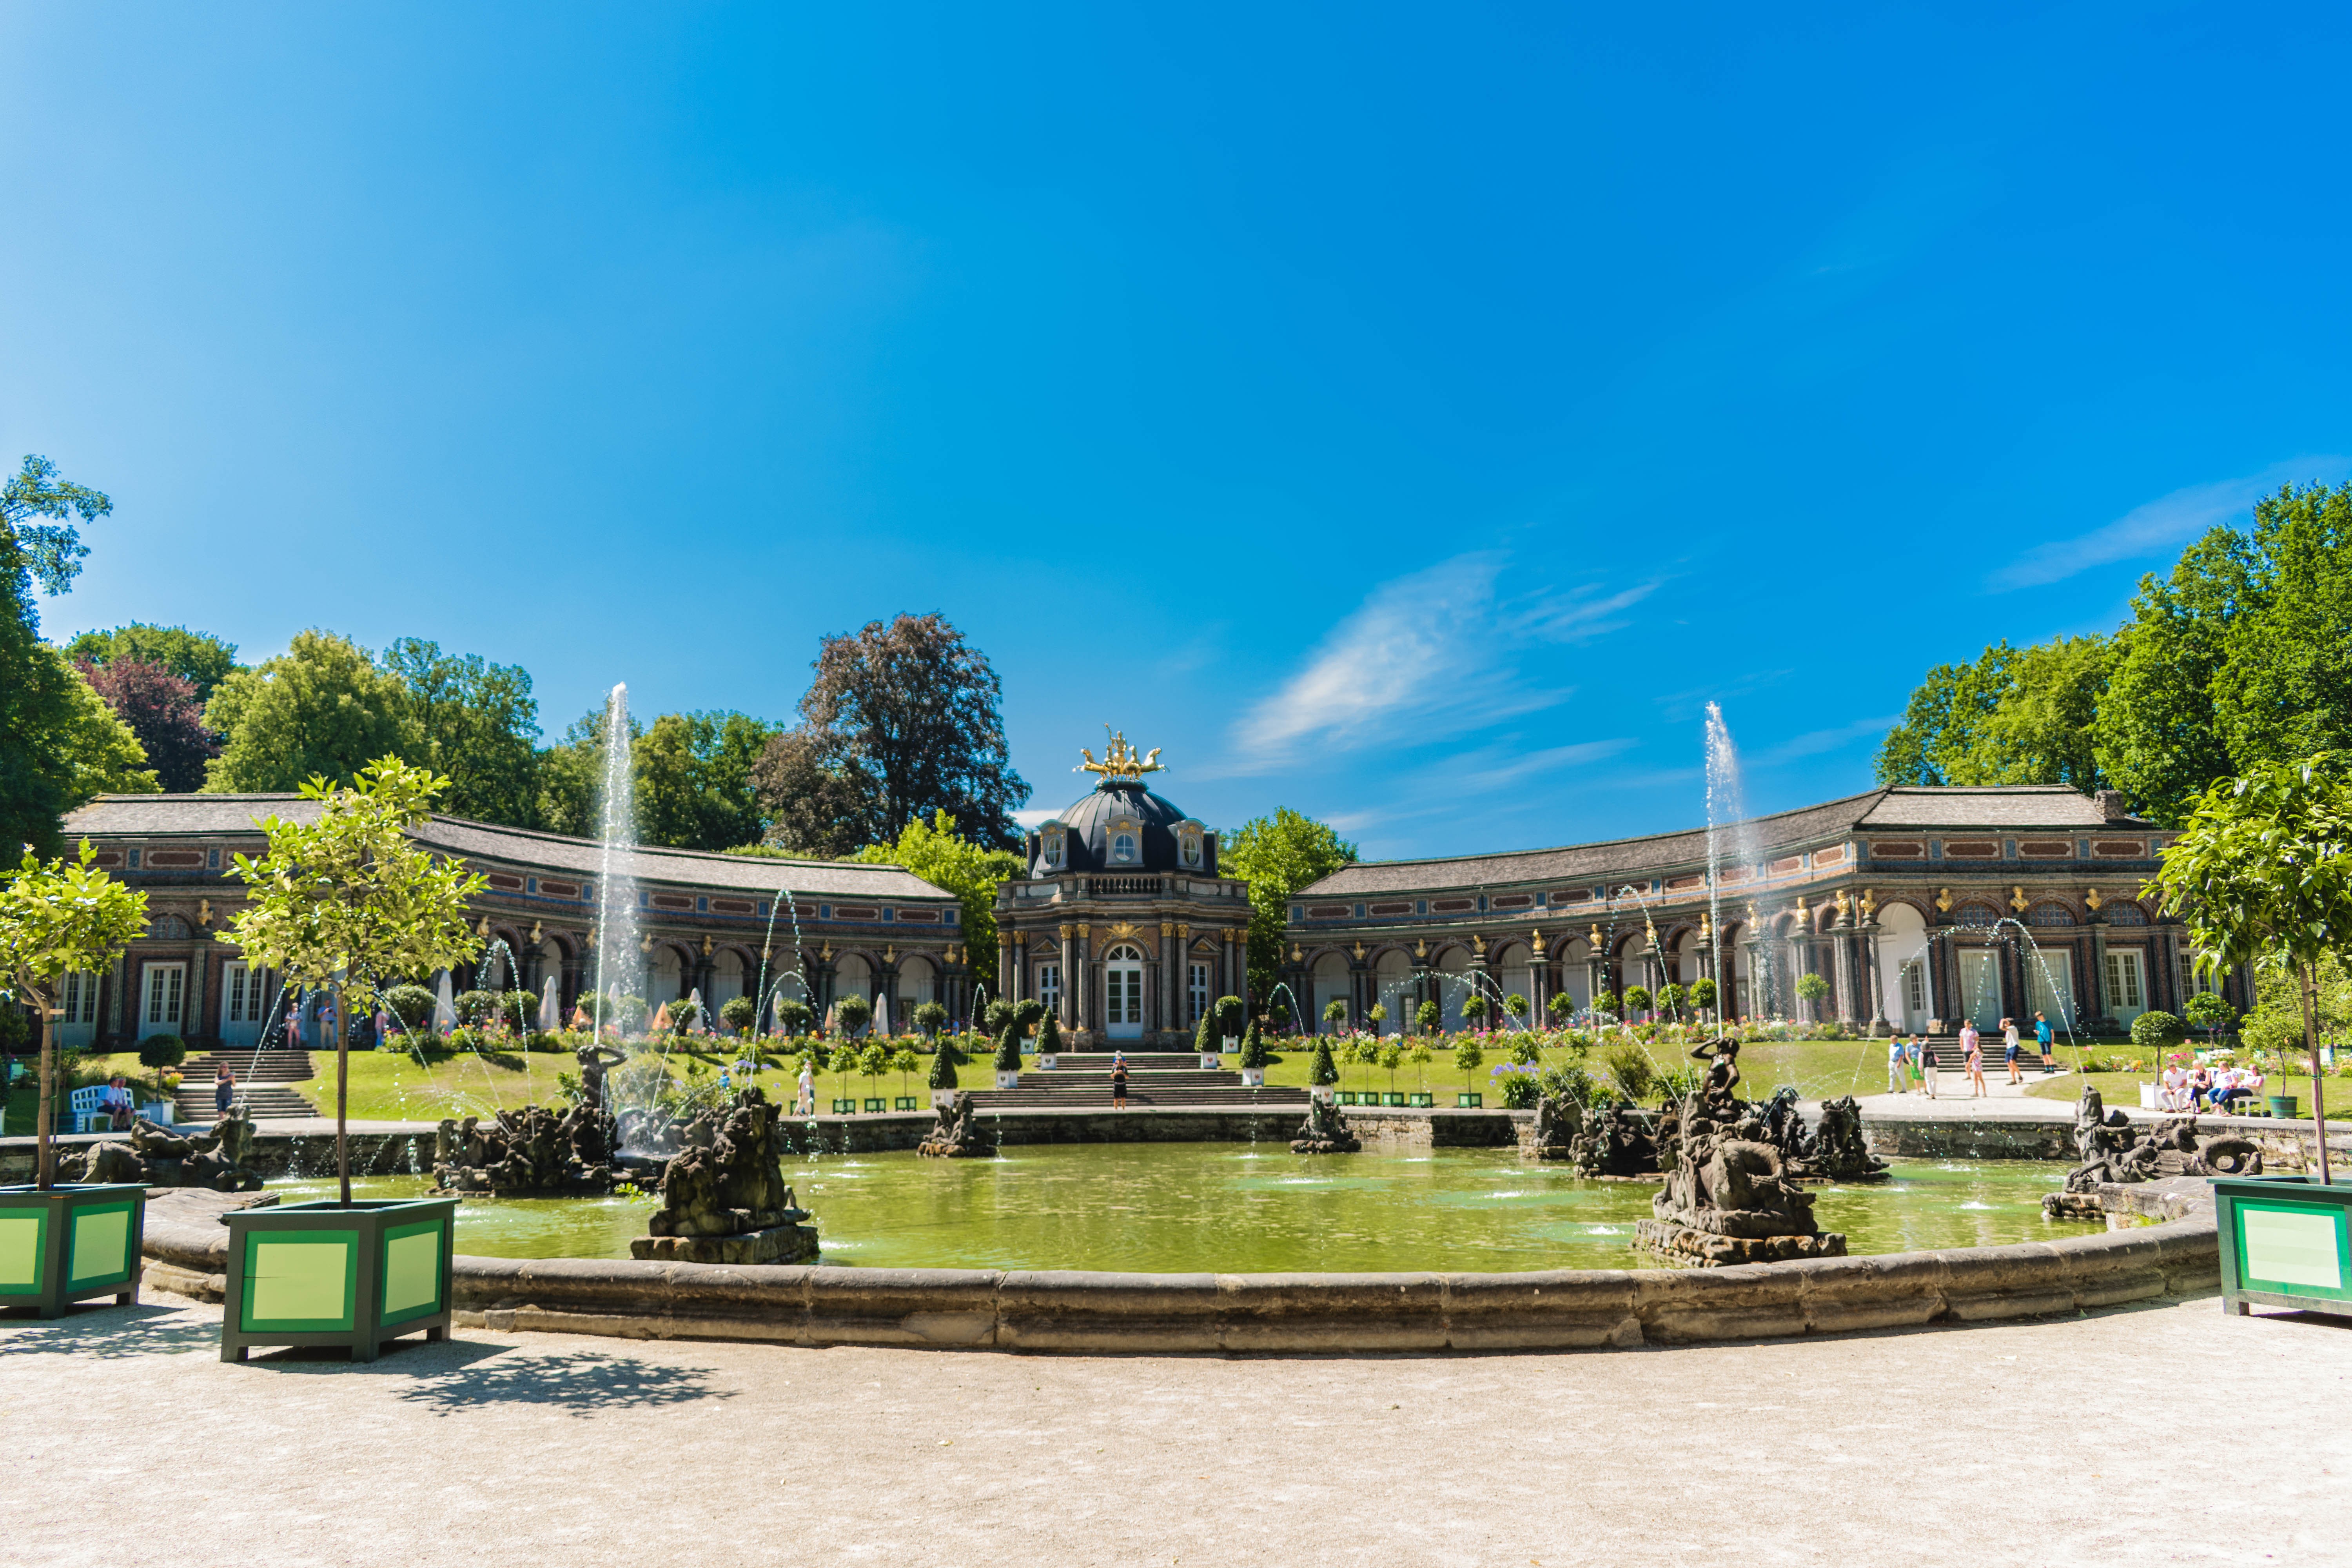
{"x": 1875, "y": 977}
{"x": 1172, "y": 977}
{"x": 1080, "y": 985}
{"x": 1798, "y": 944}
{"x": 1069, "y": 1003}
{"x": 1009, "y": 981}
{"x": 2095, "y": 1017}
{"x": 1842, "y": 959}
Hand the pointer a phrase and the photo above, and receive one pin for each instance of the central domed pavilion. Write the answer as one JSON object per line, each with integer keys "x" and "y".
{"x": 1120, "y": 924}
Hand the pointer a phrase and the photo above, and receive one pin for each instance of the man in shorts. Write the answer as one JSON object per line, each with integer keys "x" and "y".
{"x": 2009, "y": 1048}
{"x": 2042, "y": 1038}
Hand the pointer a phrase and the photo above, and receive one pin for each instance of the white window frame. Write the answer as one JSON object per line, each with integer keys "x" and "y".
{"x": 2126, "y": 983}
{"x": 1123, "y": 989}
{"x": 1049, "y": 987}
{"x": 163, "y": 996}
{"x": 1196, "y": 991}
{"x": 1126, "y": 845}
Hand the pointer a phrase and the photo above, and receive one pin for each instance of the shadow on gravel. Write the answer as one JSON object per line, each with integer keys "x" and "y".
{"x": 109, "y": 1333}
{"x": 584, "y": 1383}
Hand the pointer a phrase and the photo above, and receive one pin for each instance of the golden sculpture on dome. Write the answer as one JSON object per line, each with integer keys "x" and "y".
{"x": 1119, "y": 761}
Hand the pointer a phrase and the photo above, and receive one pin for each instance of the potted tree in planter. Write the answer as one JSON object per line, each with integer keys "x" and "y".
{"x": 156, "y": 1053}
{"x": 737, "y": 1015}
{"x": 1812, "y": 990}
{"x": 1637, "y": 1000}
{"x": 904, "y": 1061}
{"x": 943, "y": 1075}
{"x": 1468, "y": 1057}
{"x": 1421, "y": 1057}
{"x": 1391, "y": 1058}
{"x": 1560, "y": 1009}
{"x": 852, "y": 1014}
{"x": 1204, "y": 1043}
{"x": 1008, "y": 1058}
{"x": 931, "y": 1017}
{"x": 1049, "y": 1041}
{"x": 1231, "y": 1016}
{"x": 1516, "y": 1007}
{"x": 1254, "y": 1057}
{"x": 1473, "y": 1010}
{"x": 1702, "y": 994}
{"x": 2262, "y": 871}
{"x": 872, "y": 1063}
{"x": 1323, "y": 1072}
{"x": 60, "y": 1245}
{"x": 1425, "y": 1018}
{"x": 343, "y": 903}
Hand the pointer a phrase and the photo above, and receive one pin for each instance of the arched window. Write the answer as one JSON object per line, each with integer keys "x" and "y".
{"x": 1122, "y": 848}
{"x": 1122, "y": 954}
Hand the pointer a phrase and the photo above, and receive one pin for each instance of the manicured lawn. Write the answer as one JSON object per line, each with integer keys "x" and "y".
{"x": 1821, "y": 1069}
{"x": 388, "y": 1086}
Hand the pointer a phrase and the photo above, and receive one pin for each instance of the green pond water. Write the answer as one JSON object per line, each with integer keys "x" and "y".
{"x": 1225, "y": 1208}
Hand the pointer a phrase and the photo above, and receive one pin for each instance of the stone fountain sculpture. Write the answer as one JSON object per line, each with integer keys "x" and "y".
{"x": 723, "y": 1194}
{"x": 1840, "y": 1151}
{"x": 1324, "y": 1131}
{"x": 1730, "y": 1194}
{"x": 956, "y": 1134}
{"x": 160, "y": 1157}
{"x": 2111, "y": 1149}
{"x": 1615, "y": 1144}
{"x": 1557, "y": 1123}
{"x": 530, "y": 1153}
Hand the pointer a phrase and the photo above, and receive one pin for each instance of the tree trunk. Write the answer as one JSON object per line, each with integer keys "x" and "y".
{"x": 2311, "y": 1041}
{"x": 343, "y": 1092}
{"x": 44, "y": 1162}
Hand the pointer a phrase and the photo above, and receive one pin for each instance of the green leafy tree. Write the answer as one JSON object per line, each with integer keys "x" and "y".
{"x": 1419, "y": 1057}
{"x": 1049, "y": 1037}
{"x": 853, "y": 1013}
{"x": 1473, "y": 1009}
{"x": 931, "y": 1017}
{"x": 904, "y": 1061}
{"x": 474, "y": 723}
{"x": 1279, "y": 855}
{"x": 941, "y": 856}
{"x": 1637, "y": 999}
{"x": 901, "y": 722}
{"x": 1335, "y": 1012}
{"x": 2212, "y": 1012}
{"x": 2156, "y": 1031}
{"x": 158, "y": 1052}
{"x": 1607, "y": 1002}
{"x": 1324, "y": 1072}
{"x": 1561, "y": 1008}
{"x": 1813, "y": 989}
{"x": 200, "y": 659}
{"x": 738, "y": 1014}
{"x": 1231, "y": 1017}
{"x": 94, "y": 751}
{"x": 40, "y": 544}
{"x": 1391, "y": 1058}
{"x": 1468, "y": 1057}
{"x": 321, "y": 709}
{"x": 1425, "y": 1018}
{"x": 348, "y": 903}
{"x": 2285, "y": 688}
{"x": 792, "y": 1015}
{"x": 2262, "y": 873}
{"x": 58, "y": 917}
{"x": 1703, "y": 992}
{"x": 161, "y": 709}
{"x": 1204, "y": 1036}
{"x": 1516, "y": 1006}
{"x": 1026, "y": 1015}
{"x": 873, "y": 1062}
{"x": 693, "y": 773}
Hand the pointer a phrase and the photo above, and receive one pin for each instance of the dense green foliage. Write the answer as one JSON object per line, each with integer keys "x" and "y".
{"x": 1279, "y": 854}
{"x": 322, "y": 708}
{"x": 2239, "y": 658}
{"x": 943, "y": 856}
{"x": 1324, "y": 1071}
{"x": 200, "y": 659}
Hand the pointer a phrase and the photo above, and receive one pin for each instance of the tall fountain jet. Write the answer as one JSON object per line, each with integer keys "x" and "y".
{"x": 1730, "y": 837}
{"x": 617, "y": 958}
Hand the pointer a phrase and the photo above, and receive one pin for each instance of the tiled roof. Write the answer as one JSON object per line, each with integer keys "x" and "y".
{"x": 212, "y": 816}
{"x": 2010, "y": 806}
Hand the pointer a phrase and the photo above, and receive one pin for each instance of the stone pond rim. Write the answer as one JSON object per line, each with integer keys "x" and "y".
{"x": 2176, "y": 1254}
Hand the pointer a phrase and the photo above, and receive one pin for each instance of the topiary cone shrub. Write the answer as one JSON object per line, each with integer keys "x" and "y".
{"x": 1255, "y": 1055}
{"x": 1324, "y": 1072}
{"x": 943, "y": 1066}
{"x": 1008, "y": 1049}
{"x": 1049, "y": 1037}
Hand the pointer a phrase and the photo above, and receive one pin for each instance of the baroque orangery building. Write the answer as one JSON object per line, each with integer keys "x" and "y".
{"x": 1917, "y": 906}
{"x": 712, "y": 923}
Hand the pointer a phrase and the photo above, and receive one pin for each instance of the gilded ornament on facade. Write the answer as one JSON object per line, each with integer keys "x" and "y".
{"x": 2092, "y": 898}
{"x": 1804, "y": 915}
{"x": 1869, "y": 904}
{"x": 1359, "y": 953}
{"x": 1122, "y": 929}
{"x": 1845, "y": 904}
{"x": 1478, "y": 944}
{"x": 1295, "y": 954}
{"x": 204, "y": 912}
{"x": 1706, "y": 932}
{"x": 705, "y": 945}
{"x": 1119, "y": 761}
{"x": 644, "y": 944}
{"x": 1944, "y": 900}
{"x": 825, "y": 952}
{"x": 1538, "y": 935}
{"x": 2018, "y": 900}
{"x": 889, "y": 955}
{"x": 483, "y": 929}
{"x": 1596, "y": 936}
{"x": 536, "y": 936}
{"x": 1167, "y": 928}
{"x": 1421, "y": 948}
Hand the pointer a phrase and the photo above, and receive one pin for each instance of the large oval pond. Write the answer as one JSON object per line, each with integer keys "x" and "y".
{"x": 1217, "y": 1208}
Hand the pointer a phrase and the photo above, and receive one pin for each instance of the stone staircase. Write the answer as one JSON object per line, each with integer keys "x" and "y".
{"x": 261, "y": 1079}
{"x": 1081, "y": 1079}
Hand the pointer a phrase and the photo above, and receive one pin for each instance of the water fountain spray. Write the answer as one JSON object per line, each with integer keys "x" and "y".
{"x": 616, "y": 900}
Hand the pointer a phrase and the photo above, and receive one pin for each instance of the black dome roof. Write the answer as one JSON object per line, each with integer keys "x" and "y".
{"x": 1090, "y": 821}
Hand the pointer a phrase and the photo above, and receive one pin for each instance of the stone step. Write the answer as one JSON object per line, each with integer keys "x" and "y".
{"x": 197, "y": 1104}
{"x": 252, "y": 1066}
{"x": 1039, "y": 1100}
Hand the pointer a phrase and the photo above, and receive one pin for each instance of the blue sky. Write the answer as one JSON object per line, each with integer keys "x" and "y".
{"x": 1409, "y": 415}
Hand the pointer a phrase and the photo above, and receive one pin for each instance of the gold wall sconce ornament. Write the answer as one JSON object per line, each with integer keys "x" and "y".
{"x": 1944, "y": 900}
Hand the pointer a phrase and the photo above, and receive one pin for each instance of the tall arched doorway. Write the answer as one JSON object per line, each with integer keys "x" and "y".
{"x": 1123, "y": 993}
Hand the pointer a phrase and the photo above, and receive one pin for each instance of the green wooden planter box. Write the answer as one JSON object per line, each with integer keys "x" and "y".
{"x": 2282, "y": 1106}
{"x": 1424, "y": 1101}
{"x": 845, "y": 1108}
{"x": 73, "y": 1243}
{"x": 2287, "y": 1241}
{"x": 1347, "y": 1097}
{"x": 875, "y": 1105}
{"x": 1470, "y": 1101}
{"x": 354, "y": 1274}
{"x": 1391, "y": 1099}
{"x": 904, "y": 1102}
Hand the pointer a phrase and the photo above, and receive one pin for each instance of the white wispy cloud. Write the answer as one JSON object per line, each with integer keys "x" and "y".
{"x": 1444, "y": 647}
{"x": 2160, "y": 524}
{"x": 1814, "y": 743}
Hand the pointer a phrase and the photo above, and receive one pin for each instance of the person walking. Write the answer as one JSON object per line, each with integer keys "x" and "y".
{"x": 1898, "y": 1059}
{"x": 1927, "y": 1049}
{"x": 1118, "y": 1080}
{"x": 224, "y": 1090}
{"x": 2009, "y": 1049}
{"x": 2042, "y": 1038}
{"x": 1972, "y": 1056}
{"x": 806, "y": 1104}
